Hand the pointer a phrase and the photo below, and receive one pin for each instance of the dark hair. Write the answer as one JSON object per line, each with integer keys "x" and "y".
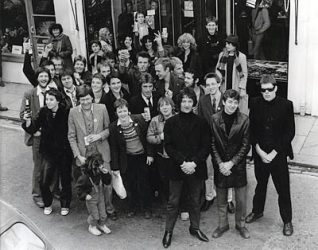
{"x": 57, "y": 57}
{"x": 110, "y": 55}
{"x": 212, "y": 75}
{"x": 100, "y": 77}
{"x": 231, "y": 93}
{"x": 195, "y": 74}
{"x": 54, "y": 26}
{"x": 210, "y": 19}
{"x": 47, "y": 63}
{"x": 146, "y": 78}
{"x": 120, "y": 103}
{"x": 268, "y": 78}
{"x": 95, "y": 42}
{"x": 40, "y": 70}
{"x": 67, "y": 72}
{"x": 83, "y": 91}
{"x": 139, "y": 13}
{"x": 114, "y": 74}
{"x": 165, "y": 62}
{"x": 189, "y": 92}
{"x": 54, "y": 92}
{"x": 144, "y": 41}
{"x": 143, "y": 54}
{"x": 80, "y": 58}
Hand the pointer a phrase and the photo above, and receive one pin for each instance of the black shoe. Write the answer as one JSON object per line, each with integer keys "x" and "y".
{"x": 3, "y": 108}
{"x": 253, "y": 217}
{"x": 230, "y": 207}
{"x": 113, "y": 216}
{"x": 220, "y": 231}
{"x": 243, "y": 232}
{"x": 207, "y": 204}
{"x": 197, "y": 233}
{"x": 166, "y": 241}
{"x": 288, "y": 229}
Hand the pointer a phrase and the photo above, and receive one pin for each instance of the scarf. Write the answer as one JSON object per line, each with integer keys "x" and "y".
{"x": 223, "y": 62}
{"x": 57, "y": 42}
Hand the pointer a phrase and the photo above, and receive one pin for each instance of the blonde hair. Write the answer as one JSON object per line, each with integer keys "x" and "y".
{"x": 187, "y": 37}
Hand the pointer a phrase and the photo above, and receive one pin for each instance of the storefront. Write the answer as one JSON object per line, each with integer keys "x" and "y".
{"x": 290, "y": 42}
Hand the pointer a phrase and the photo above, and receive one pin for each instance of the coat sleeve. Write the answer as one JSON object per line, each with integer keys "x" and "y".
{"x": 68, "y": 45}
{"x": 245, "y": 145}
{"x": 28, "y": 70}
{"x": 72, "y": 138}
{"x": 36, "y": 123}
{"x": 214, "y": 152}
{"x": 152, "y": 133}
{"x": 105, "y": 133}
{"x": 173, "y": 153}
{"x": 114, "y": 148}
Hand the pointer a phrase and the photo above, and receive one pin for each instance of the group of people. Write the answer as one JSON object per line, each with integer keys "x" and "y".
{"x": 166, "y": 120}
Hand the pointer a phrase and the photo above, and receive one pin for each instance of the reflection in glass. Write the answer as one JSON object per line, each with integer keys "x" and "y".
{"x": 43, "y": 7}
{"x": 42, "y": 25}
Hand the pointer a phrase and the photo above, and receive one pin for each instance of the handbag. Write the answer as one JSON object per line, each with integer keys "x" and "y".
{"x": 118, "y": 185}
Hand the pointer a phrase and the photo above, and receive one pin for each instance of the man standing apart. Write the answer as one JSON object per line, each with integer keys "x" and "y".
{"x": 230, "y": 145}
{"x": 272, "y": 130}
{"x": 87, "y": 133}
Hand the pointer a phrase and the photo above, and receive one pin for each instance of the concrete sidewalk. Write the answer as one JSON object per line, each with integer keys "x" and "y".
{"x": 305, "y": 143}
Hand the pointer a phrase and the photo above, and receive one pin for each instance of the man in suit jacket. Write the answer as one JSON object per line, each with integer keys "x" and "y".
{"x": 146, "y": 99}
{"x": 34, "y": 100}
{"x": 87, "y": 133}
{"x": 209, "y": 105}
{"x": 272, "y": 130}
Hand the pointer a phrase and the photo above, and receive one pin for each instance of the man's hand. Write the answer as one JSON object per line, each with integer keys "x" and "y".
{"x": 88, "y": 197}
{"x": 188, "y": 167}
{"x": 224, "y": 169}
{"x": 242, "y": 92}
{"x": 149, "y": 160}
{"x": 262, "y": 154}
{"x": 27, "y": 118}
{"x": 81, "y": 159}
{"x": 146, "y": 116}
{"x": 169, "y": 93}
{"x": 93, "y": 137}
{"x": 270, "y": 157}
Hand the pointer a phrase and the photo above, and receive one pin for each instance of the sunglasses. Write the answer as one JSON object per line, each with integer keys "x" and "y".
{"x": 269, "y": 89}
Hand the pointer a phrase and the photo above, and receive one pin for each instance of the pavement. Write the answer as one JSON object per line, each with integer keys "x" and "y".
{"x": 70, "y": 232}
{"x": 305, "y": 143}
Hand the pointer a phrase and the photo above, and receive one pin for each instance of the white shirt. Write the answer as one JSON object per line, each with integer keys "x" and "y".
{"x": 39, "y": 92}
{"x": 147, "y": 100}
{"x": 71, "y": 94}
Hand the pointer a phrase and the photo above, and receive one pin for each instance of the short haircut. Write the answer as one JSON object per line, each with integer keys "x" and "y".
{"x": 114, "y": 74}
{"x": 47, "y": 63}
{"x": 54, "y": 26}
{"x": 120, "y": 103}
{"x": 56, "y": 93}
{"x": 187, "y": 37}
{"x": 212, "y": 19}
{"x": 165, "y": 62}
{"x": 231, "y": 93}
{"x": 80, "y": 58}
{"x": 212, "y": 75}
{"x": 100, "y": 77}
{"x": 163, "y": 100}
{"x": 110, "y": 55}
{"x": 83, "y": 91}
{"x": 102, "y": 65}
{"x": 95, "y": 42}
{"x": 66, "y": 72}
{"x": 175, "y": 61}
{"x": 146, "y": 78}
{"x": 188, "y": 92}
{"x": 40, "y": 70}
{"x": 143, "y": 54}
{"x": 59, "y": 58}
{"x": 138, "y": 13}
{"x": 194, "y": 73}
{"x": 268, "y": 78}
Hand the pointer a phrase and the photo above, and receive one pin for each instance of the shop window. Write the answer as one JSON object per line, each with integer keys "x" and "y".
{"x": 13, "y": 26}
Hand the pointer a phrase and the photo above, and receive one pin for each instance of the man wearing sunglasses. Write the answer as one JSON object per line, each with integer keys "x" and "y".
{"x": 272, "y": 128}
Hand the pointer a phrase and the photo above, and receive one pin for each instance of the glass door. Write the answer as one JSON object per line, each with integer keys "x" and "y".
{"x": 40, "y": 15}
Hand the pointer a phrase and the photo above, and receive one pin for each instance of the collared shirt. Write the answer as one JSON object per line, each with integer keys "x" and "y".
{"x": 72, "y": 95}
{"x": 146, "y": 99}
{"x": 40, "y": 93}
{"x": 119, "y": 122}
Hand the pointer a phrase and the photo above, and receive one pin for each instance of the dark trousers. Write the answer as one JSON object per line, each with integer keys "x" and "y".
{"x": 278, "y": 169}
{"x": 63, "y": 167}
{"x": 38, "y": 167}
{"x": 194, "y": 187}
{"x": 136, "y": 181}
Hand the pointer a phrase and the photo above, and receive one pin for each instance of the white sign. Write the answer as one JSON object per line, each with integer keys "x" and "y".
{"x": 16, "y": 49}
{"x": 188, "y": 13}
{"x": 188, "y": 5}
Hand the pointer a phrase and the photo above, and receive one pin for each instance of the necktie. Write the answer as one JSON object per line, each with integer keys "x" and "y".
{"x": 214, "y": 104}
{"x": 149, "y": 103}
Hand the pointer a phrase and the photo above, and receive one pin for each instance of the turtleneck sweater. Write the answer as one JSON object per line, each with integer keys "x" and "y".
{"x": 228, "y": 120}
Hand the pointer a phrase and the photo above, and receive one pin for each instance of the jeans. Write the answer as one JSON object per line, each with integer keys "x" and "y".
{"x": 240, "y": 200}
{"x": 96, "y": 207}
{"x": 38, "y": 167}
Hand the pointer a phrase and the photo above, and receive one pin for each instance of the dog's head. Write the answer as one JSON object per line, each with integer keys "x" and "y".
{"x": 94, "y": 164}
